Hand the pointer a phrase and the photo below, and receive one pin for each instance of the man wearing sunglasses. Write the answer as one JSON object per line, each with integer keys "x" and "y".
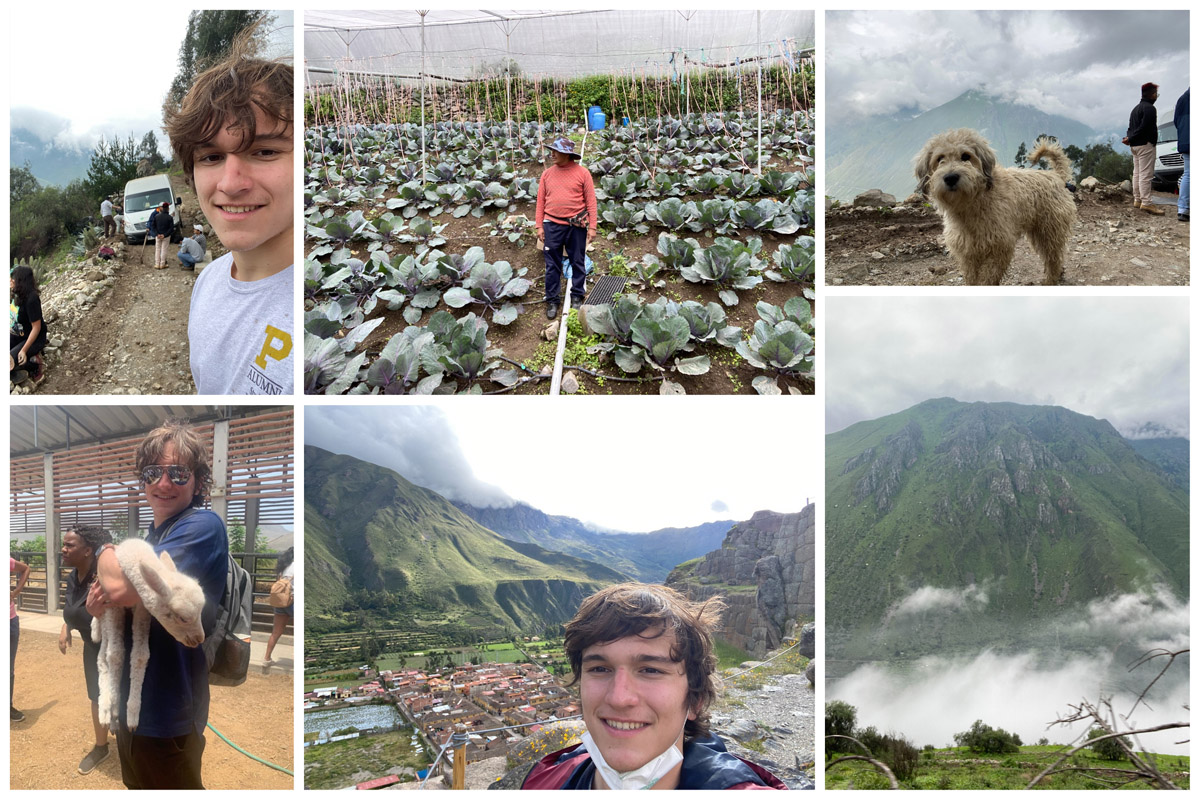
{"x": 165, "y": 752}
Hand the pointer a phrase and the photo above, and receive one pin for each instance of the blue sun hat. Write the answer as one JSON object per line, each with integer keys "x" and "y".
{"x": 564, "y": 145}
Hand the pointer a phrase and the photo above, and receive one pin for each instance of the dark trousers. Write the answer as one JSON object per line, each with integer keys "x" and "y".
{"x": 15, "y": 343}
{"x": 151, "y": 763}
{"x": 14, "y": 636}
{"x": 110, "y": 226}
{"x": 575, "y": 240}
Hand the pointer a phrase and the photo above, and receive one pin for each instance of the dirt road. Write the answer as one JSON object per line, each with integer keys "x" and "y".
{"x": 1112, "y": 244}
{"x": 45, "y": 749}
{"x": 121, "y": 325}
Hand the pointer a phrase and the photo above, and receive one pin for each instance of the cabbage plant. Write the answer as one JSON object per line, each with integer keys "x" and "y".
{"x": 795, "y": 262}
{"x": 727, "y": 264}
{"x": 672, "y": 213}
{"x": 490, "y": 285}
{"x": 778, "y": 345}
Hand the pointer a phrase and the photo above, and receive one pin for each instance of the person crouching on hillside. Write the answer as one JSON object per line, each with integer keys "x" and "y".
{"x": 643, "y": 658}
{"x": 26, "y": 327}
{"x": 565, "y": 217}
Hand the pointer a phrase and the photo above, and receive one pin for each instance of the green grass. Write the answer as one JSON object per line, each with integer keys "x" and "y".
{"x": 461, "y": 655}
{"x": 956, "y": 768}
{"x": 729, "y": 656}
{"x": 791, "y": 663}
{"x": 333, "y": 765}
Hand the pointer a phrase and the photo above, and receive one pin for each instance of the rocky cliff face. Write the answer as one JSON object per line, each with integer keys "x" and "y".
{"x": 764, "y": 571}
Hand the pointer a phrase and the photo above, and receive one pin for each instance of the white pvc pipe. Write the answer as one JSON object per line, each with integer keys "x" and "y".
{"x": 423, "y": 79}
{"x": 556, "y": 378}
{"x": 758, "y": 34}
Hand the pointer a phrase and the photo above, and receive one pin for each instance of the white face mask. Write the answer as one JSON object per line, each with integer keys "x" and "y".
{"x": 644, "y": 777}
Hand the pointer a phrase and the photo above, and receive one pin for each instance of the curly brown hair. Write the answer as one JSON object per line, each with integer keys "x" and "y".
{"x": 189, "y": 449}
{"x": 226, "y": 96}
{"x": 650, "y": 611}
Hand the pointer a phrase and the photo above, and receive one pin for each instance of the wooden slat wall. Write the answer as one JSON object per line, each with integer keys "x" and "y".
{"x": 97, "y": 484}
{"x": 27, "y": 498}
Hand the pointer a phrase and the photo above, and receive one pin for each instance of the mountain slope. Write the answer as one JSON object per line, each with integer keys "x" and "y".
{"x": 1009, "y": 514}
{"x": 764, "y": 571}
{"x": 48, "y": 162}
{"x": 1172, "y": 455}
{"x": 645, "y": 556}
{"x": 877, "y": 153}
{"x": 369, "y": 533}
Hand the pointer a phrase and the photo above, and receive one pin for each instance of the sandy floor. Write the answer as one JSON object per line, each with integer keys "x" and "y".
{"x": 46, "y": 748}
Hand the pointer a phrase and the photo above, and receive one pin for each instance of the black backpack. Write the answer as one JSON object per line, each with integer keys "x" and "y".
{"x": 227, "y": 650}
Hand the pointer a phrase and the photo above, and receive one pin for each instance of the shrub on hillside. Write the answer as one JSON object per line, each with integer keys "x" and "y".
{"x": 901, "y": 755}
{"x": 981, "y": 738}
{"x": 892, "y": 749}
{"x": 839, "y": 721}
{"x": 871, "y": 739}
{"x": 1108, "y": 749}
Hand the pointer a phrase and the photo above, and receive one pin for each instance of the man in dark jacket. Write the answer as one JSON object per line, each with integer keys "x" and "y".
{"x": 643, "y": 658}
{"x": 160, "y": 228}
{"x": 1142, "y": 138}
{"x": 1185, "y": 148}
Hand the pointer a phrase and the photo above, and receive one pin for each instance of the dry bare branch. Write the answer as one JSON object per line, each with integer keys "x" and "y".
{"x": 1147, "y": 772}
{"x": 1146, "y": 658}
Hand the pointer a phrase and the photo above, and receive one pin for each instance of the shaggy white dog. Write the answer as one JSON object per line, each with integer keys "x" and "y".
{"x": 172, "y": 598}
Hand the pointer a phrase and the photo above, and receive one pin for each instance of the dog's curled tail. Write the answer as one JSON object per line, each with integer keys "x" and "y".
{"x": 1052, "y": 152}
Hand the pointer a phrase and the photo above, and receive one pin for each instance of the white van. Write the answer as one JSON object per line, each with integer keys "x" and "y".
{"x": 143, "y": 195}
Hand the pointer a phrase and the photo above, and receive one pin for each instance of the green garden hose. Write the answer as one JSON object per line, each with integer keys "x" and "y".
{"x": 251, "y": 755}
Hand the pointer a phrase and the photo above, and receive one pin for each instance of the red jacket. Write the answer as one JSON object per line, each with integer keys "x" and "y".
{"x": 564, "y": 192}
{"x": 706, "y": 765}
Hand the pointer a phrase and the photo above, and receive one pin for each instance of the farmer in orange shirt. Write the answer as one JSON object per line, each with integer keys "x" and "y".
{"x": 565, "y": 217}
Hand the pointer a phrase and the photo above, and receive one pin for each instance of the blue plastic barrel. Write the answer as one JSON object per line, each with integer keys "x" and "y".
{"x": 596, "y": 119}
{"x": 624, "y": 122}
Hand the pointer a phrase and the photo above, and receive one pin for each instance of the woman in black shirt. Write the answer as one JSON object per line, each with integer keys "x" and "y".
{"x": 27, "y": 329}
{"x": 80, "y": 549}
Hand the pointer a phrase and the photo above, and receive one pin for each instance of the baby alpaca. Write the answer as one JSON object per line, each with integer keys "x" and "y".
{"x": 172, "y": 598}
{"x": 986, "y": 208}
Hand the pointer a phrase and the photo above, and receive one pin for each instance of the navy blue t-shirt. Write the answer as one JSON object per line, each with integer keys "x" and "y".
{"x": 175, "y": 691}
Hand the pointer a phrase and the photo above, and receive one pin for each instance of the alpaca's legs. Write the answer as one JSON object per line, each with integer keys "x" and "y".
{"x": 139, "y": 658}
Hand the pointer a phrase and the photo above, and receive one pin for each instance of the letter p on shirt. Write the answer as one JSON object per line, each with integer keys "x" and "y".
{"x": 276, "y": 345}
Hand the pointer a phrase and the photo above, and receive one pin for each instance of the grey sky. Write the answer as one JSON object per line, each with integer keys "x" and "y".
{"x": 104, "y": 72}
{"x": 1123, "y": 359}
{"x": 1085, "y": 65}
{"x": 635, "y": 469}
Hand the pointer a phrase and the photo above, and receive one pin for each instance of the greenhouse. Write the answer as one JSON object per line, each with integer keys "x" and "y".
{"x": 427, "y": 136}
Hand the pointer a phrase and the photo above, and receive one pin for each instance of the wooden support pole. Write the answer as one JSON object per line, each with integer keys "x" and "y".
{"x": 220, "y": 470}
{"x": 53, "y": 536}
{"x": 460, "y": 756}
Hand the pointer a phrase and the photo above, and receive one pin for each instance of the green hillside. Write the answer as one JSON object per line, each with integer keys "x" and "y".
{"x": 381, "y": 550}
{"x": 1172, "y": 455}
{"x": 1038, "y": 508}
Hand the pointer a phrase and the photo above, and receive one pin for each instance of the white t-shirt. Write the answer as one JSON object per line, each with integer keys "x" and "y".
{"x": 241, "y": 333}
{"x": 106, "y": 208}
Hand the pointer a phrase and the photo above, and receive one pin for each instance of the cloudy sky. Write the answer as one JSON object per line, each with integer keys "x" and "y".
{"x": 103, "y": 74}
{"x": 1123, "y": 359}
{"x": 631, "y": 468}
{"x": 1085, "y": 65}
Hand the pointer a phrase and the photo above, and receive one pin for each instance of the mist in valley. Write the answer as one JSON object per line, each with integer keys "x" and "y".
{"x": 1082, "y": 654}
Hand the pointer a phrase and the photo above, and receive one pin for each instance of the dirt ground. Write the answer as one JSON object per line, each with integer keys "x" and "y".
{"x": 1112, "y": 244}
{"x": 45, "y": 749}
{"x": 133, "y": 338}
